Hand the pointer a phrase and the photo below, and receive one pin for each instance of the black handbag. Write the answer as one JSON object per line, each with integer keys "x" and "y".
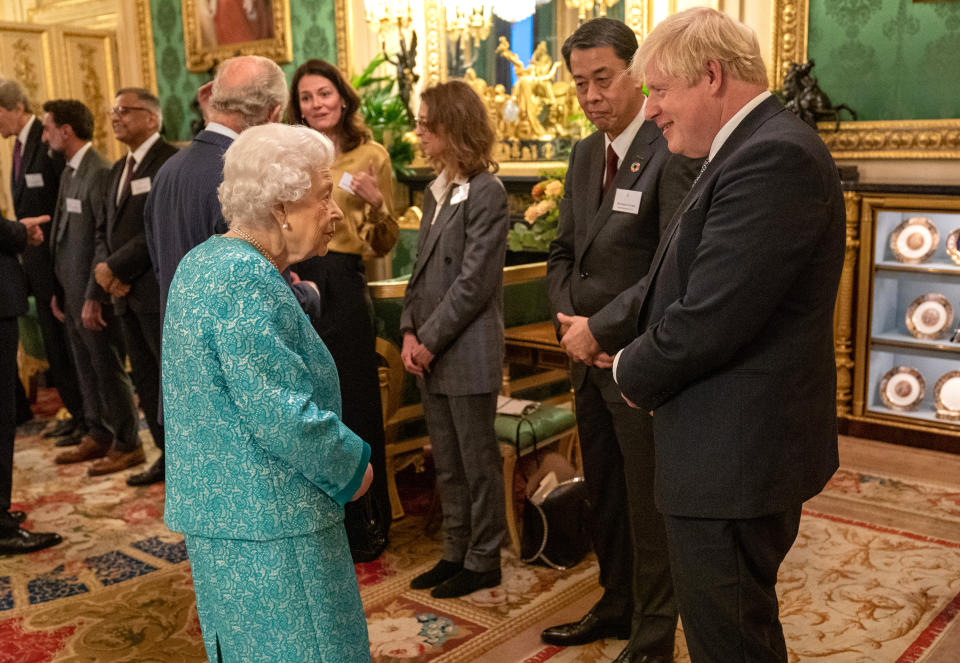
{"x": 555, "y": 531}
{"x": 367, "y": 524}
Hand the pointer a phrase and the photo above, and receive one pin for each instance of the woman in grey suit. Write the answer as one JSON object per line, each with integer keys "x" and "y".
{"x": 452, "y": 328}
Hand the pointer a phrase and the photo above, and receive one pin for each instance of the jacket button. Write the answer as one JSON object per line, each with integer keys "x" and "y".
{"x": 447, "y": 260}
{"x": 584, "y": 275}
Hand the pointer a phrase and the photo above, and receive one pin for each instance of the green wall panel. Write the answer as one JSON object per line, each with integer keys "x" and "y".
{"x": 314, "y": 35}
{"x": 888, "y": 59}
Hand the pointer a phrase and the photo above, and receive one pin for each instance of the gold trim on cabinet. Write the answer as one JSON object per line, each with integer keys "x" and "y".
{"x": 843, "y": 311}
{"x": 887, "y": 139}
{"x": 512, "y": 275}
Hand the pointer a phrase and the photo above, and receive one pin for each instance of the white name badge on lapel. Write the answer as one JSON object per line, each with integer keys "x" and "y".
{"x": 460, "y": 194}
{"x": 627, "y": 201}
{"x": 139, "y": 186}
{"x": 34, "y": 180}
{"x": 73, "y": 206}
{"x": 346, "y": 183}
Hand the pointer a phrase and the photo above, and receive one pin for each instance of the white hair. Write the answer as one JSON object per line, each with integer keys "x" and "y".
{"x": 267, "y": 165}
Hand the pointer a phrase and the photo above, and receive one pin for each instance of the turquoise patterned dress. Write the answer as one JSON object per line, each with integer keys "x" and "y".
{"x": 259, "y": 464}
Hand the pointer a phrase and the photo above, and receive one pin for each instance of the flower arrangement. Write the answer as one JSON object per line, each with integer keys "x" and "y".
{"x": 539, "y": 225}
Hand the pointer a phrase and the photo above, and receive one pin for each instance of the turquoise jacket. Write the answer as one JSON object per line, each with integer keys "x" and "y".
{"x": 255, "y": 447}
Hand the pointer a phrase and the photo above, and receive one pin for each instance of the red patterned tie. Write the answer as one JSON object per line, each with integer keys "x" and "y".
{"x": 611, "y": 169}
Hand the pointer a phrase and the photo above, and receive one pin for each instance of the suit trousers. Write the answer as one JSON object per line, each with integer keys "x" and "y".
{"x": 108, "y": 405}
{"x": 469, "y": 471}
{"x": 141, "y": 335}
{"x": 57, "y": 348}
{"x": 9, "y": 336}
{"x": 725, "y": 574}
{"x": 628, "y": 533}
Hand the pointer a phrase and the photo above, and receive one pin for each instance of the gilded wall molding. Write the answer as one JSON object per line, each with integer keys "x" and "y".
{"x": 902, "y": 139}
{"x": 341, "y": 13}
{"x": 148, "y": 67}
{"x": 887, "y": 139}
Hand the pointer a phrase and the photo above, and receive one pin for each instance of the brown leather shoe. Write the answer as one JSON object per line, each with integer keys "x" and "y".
{"x": 116, "y": 461}
{"x": 88, "y": 449}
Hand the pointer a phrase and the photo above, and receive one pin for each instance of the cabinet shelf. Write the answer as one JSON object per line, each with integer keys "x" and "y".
{"x": 897, "y": 340}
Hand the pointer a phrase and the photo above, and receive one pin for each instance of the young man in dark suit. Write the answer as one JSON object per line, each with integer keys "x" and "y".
{"x": 14, "y": 238}
{"x": 609, "y": 229}
{"x": 34, "y": 181}
{"x": 122, "y": 264}
{"x": 109, "y": 408}
{"x": 735, "y": 348}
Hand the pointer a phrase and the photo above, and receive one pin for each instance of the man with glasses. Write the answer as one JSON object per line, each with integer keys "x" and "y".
{"x": 122, "y": 263}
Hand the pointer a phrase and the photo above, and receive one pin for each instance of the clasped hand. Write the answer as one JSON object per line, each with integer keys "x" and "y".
{"x": 106, "y": 279}
{"x": 415, "y": 355}
{"x": 578, "y": 342}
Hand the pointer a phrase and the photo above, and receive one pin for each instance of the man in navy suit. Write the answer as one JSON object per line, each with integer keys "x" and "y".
{"x": 733, "y": 348}
{"x": 121, "y": 261}
{"x": 34, "y": 182}
{"x": 182, "y": 208}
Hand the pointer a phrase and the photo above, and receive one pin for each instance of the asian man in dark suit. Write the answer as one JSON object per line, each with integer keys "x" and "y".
{"x": 109, "y": 408}
{"x": 14, "y": 238}
{"x": 734, "y": 353}
{"x": 608, "y": 231}
{"x": 122, "y": 264}
{"x": 34, "y": 181}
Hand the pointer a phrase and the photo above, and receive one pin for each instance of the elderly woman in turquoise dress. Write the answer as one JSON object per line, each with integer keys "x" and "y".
{"x": 259, "y": 464}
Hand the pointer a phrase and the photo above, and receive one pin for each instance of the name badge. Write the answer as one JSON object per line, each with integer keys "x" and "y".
{"x": 139, "y": 185}
{"x": 34, "y": 180}
{"x": 346, "y": 183}
{"x": 460, "y": 194}
{"x": 73, "y": 206}
{"x": 627, "y": 201}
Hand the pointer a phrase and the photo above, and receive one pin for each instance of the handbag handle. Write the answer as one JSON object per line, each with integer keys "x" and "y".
{"x": 533, "y": 433}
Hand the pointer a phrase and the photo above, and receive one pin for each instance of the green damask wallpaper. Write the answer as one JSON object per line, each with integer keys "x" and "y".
{"x": 888, "y": 59}
{"x": 314, "y": 35}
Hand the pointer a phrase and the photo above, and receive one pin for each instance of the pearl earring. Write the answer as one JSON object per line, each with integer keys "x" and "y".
{"x": 285, "y": 226}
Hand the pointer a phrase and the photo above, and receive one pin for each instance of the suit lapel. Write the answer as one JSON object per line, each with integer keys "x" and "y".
{"x": 26, "y": 157}
{"x": 626, "y": 177}
{"x": 435, "y": 229}
{"x": 767, "y": 109}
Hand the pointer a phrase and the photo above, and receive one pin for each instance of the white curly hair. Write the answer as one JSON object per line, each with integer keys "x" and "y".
{"x": 267, "y": 165}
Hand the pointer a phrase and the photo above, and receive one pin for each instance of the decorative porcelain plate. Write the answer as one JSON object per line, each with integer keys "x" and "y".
{"x": 914, "y": 240}
{"x": 902, "y": 388}
{"x": 947, "y": 394}
{"x": 952, "y": 249}
{"x": 930, "y": 316}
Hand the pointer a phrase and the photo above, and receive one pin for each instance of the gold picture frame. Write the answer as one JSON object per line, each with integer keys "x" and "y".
{"x": 887, "y": 139}
{"x": 262, "y": 28}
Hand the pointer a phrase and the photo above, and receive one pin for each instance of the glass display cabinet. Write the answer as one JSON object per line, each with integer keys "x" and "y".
{"x": 907, "y": 366}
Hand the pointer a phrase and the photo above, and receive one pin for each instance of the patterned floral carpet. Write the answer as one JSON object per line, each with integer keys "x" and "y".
{"x": 119, "y": 587}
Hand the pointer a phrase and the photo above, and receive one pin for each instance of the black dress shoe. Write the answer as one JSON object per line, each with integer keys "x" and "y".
{"x": 17, "y": 516}
{"x": 155, "y": 474}
{"x": 632, "y": 654}
{"x": 61, "y": 428}
{"x": 70, "y": 440}
{"x": 589, "y": 629}
{"x": 466, "y": 582}
{"x": 444, "y": 570}
{"x": 21, "y": 541}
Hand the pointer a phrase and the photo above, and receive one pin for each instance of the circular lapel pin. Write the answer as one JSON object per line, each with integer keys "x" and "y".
{"x": 635, "y": 166}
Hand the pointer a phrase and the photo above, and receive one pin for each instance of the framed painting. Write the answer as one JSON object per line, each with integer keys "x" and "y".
{"x": 214, "y": 30}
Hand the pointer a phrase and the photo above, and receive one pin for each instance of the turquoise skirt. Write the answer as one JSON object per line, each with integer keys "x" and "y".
{"x": 293, "y": 599}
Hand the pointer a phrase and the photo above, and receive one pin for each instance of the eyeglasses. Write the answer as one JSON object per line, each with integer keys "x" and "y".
{"x": 122, "y": 111}
{"x": 423, "y": 124}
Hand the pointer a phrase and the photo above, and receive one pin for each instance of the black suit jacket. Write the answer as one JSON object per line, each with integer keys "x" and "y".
{"x": 121, "y": 239}
{"x": 735, "y": 353}
{"x": 13, "y": 287}
{"x": 598, "y": 253}
{"x": 36, "y": 200}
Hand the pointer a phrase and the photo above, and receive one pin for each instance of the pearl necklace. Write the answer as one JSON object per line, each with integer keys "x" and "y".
{"x": 257, "y": 245}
